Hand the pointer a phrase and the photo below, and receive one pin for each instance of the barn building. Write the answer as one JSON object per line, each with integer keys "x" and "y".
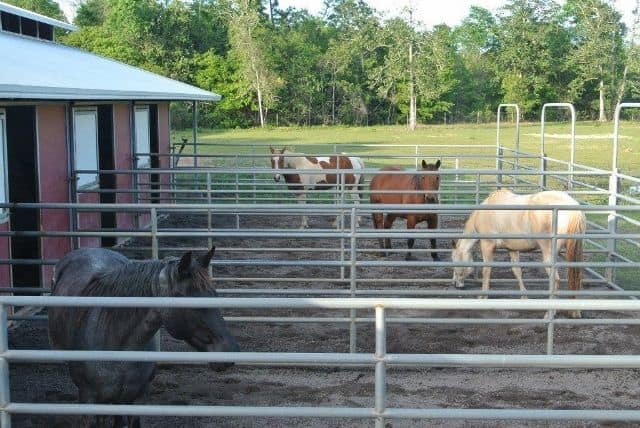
{"x": 64, "y": 110}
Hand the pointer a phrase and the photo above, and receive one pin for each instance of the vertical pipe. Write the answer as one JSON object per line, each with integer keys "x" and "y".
{"x": 552, "y": 275}
{"x": 416, "y": 156}
{"x": 237, "y": 193}
{"x": 380, "y": 370}
{"x": 543, "y": 156}
{"x": 195, "y": 133}
{"x": 614, "y": 181}
{"x": 5, "y": 399}
{"x": 209, "y": 219}
{"x": 457, "y": 178}
{"x": 572, "y": 154}
{"x": 253, "y": 168}
{"x": 353, "y": 337}
{"x": 154, "y": 234}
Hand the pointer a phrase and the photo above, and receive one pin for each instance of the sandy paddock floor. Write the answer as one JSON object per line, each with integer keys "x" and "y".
{"x": 407, "y": 387}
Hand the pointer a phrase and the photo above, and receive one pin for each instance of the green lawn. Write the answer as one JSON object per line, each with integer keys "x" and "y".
{"x": 593, "y": 146}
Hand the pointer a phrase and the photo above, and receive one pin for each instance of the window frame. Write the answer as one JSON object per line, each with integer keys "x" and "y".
{"x": 4, "y": 164}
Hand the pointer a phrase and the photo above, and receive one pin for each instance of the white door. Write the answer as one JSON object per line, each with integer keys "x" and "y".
{"x": 143, "y": 139}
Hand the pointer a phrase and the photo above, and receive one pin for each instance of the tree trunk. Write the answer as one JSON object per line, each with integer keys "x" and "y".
{"x": 602, "y": 117}
{"x": 259, "y": 91}
{"x": 412, "y": 95}
{"x": 333, "y": 97}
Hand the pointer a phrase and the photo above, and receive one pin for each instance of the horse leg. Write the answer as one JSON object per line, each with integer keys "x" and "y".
{"x": 432, "y": 223}
{"x": 301, "y": 200}
{"x": 411, "y": 224}
{"x": 378, "y": 220}
{"x": 545, "y": 247}
{"x": 388, "y": 222}
{"x": 487, "y": 247}
{"x": 517, "y": 270}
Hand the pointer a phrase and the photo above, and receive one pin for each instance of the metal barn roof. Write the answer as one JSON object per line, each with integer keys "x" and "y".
{"x": 4, "y": 7}
{"x": 39, "y": 70}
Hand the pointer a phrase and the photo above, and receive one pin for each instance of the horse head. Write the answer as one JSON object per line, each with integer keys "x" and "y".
{"x": 430, "y": 182}
{"x": 277, "y": 162}
{"x": 203, "y": 328}
{"x": 460, "y": 254}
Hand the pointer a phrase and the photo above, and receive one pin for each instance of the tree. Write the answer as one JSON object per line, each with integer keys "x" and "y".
{"x": 598, "y": 55}
{"x": 247, "y": 36}
{"x": 532, "y": 47}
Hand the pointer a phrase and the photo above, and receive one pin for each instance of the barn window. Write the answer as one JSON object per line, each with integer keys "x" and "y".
{"x": 143, "y": 139}
{"x": 85, "y": 138}
{"x": 3, "y": 157}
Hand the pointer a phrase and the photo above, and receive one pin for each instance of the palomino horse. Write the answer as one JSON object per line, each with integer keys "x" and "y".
{"x": 406, "y": 189}
{"x": 101, "y": 272}
{"x": 299, "y": 183}
{"x": 532, "y": 221}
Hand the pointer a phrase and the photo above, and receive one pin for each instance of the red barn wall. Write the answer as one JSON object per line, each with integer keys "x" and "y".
{"x": 122, "y": 132}
{"x": 53, "y": 176}
{"x": 164, "y": 147}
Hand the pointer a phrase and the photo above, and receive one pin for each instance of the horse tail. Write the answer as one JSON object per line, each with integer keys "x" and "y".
{"x": 577, "y": 225}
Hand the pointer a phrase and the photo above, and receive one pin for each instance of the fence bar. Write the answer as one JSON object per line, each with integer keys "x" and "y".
{"x": 353, "y": 285}
{"x": 326, "y": 303}
{"x": 380, "y": 369}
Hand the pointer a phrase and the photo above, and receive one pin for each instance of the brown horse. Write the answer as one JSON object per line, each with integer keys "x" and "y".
{"x": 411, "y": 189}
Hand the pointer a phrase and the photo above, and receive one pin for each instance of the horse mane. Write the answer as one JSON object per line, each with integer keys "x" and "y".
{"x": 133, "y": 279}
{"x": 416, "y": 182}
{"x": 142, "y": 278}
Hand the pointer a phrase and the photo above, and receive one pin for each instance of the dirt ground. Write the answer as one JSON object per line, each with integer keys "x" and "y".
{"x": 353, "y": 387}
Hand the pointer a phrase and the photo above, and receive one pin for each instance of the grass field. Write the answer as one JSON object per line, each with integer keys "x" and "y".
{"x": 593, "y": 144}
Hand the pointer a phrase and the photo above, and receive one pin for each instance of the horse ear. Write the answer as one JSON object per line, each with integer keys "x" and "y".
{"x": 424, "y": 164}
{"x": 271, "y": 148}
{"x": 438, "y": 164}
{"x": 204, "y": 260}
{"x": 453, "y": 243}
{"x": 184, "y": 266}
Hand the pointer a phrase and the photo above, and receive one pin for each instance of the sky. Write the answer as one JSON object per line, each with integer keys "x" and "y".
{"x": 429, "y": 12}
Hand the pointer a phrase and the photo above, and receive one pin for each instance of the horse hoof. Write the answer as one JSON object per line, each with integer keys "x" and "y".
{"x": 575, "y": 314}
{"x": 435, "y": 257}
{"x": 483, "y": 297}
{"x": 410, "y": 258}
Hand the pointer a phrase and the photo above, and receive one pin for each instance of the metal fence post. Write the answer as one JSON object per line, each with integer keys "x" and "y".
{"x": 552, "y": 279}
{"x": 353, "y": 337}
{"x": 5, "y": 399}
{"x": 612, "y": 223}
{"x": 209, "y": 219}
{"x": 380, "y": 371}
{"x": 154, "y": 234}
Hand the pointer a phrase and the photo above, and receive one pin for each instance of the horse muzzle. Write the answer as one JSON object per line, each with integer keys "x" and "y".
{"x": 276, "y": 178}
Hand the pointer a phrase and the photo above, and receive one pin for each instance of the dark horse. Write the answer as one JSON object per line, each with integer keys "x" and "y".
{"x": 101, "y": 272}
{"x": 406, "y": 189}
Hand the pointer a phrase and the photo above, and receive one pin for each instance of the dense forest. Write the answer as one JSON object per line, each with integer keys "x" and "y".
{"x": 351, "y": 65}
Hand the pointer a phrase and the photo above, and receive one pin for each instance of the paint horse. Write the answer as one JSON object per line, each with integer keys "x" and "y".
{"x": 317, "y": 179}
{"x": 406, "y": 189}
{"x": 532, "y": 221}
{"x": 101, "y": 272}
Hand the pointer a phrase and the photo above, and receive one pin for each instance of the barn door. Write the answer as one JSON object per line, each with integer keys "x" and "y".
{"x": 106, "y": 161}
{"x": 22, "y": 170}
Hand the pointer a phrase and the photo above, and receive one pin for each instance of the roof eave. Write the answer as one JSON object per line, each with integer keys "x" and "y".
{"x": 34, "y": 93}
